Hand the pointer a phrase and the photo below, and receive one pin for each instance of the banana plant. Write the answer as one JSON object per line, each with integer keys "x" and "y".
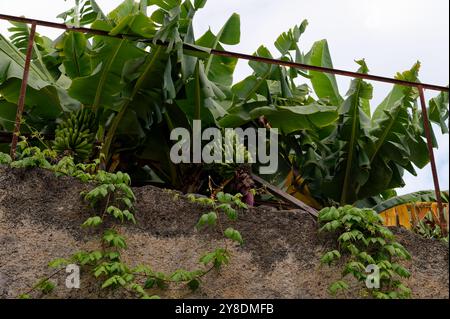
{"x": 370, "y": 152}
{"x": 272, "y": 95}
{"x": 338, "y": 150}
{"x": 148, "y": 82}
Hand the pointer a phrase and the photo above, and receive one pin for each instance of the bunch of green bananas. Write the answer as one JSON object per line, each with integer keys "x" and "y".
{"x": 240, "y": 174}
{"x": 75, "y": 136}
{"x": 230, "y": 146}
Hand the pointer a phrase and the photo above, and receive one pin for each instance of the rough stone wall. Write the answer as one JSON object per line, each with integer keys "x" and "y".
{"x": 40, "y": 218}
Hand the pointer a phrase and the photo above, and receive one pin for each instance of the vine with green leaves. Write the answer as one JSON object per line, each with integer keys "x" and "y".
{"x": 363, "y": 239}
{"x": 112, "y": 200}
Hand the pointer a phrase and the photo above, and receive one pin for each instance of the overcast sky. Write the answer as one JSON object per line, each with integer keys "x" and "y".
{"x": 390, "y": 34}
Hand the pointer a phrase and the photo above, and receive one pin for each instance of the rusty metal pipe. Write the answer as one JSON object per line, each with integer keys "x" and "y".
{"x": 230, "y": 54}
{"x": 23, "y": 91}
{"x": 329, "y": 70}
{"x": 427, "y": 128}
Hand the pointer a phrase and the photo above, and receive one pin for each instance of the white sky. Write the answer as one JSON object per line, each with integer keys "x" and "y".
{"x": 390, "y": 34}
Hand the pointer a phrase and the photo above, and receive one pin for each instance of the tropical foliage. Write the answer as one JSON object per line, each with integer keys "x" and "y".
{"x": 161, "y": 76}
{"x": 111, "y": 103}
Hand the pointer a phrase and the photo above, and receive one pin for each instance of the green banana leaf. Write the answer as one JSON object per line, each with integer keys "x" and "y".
{"x": 201, "y": 102}
{"x": 103, "y": 88}
{"x": 20, "y": 33}
{"x": 76, "y": 57}
{"x": 7, "y": 115}
{"x": 324, "y": 84}
{"x": 220, "y": 69}
{"x": 438, "y": 111}
{"x": 46, "y": 100}
{"x": 290, "y": 119}
{"x": 249, "y": 89}
{"x": 263, "y": 70}
{"x": 287, "y": 41}
{"x": 350, "y": 158}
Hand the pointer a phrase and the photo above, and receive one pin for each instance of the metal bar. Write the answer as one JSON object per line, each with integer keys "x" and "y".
{"x": 280, "y": 193}
{"x": 23, "y": 91}
{"x": 237, "y": 55}
{"x": 329, "y": 70}
{"x": 427, "y": 127}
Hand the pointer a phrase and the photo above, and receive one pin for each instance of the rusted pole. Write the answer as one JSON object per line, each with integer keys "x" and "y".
{"x": 345, "y": 73}
{"x": 427, "y": 127}
{"x": 280, "y": 193}
{"x": 23, "y": 91}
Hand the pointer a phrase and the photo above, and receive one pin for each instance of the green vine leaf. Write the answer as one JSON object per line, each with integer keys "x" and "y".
{"x": 45, "y": 286}
{"x": 92, "y": 222}
{"x": 331, "y": 256}
{"x": 113, "y": 239}
{"x": 150, "y": 283}
{"x": 194, "y": 284}
{"x": 207, "y": 219}
{"x": 234, "y": 235}
{"x": 338, "y": 286}
{"x": 5, "y": 159}
{"x": 58, "y": 262}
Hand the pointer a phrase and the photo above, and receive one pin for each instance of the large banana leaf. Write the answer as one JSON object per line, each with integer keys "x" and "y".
{"x": 201, "y": 101}
{"x": 438, "y": 111}
{"x": 111, "y": 58}
{"x": 7, "y": 115}
{"x": 43, "y": 98}
{"x": 288, "y": 41}
{"x": 249, "y": 89}
{"x": 417, "y": 197}
{"x": 290, "y": 119}
{"x": 324, "y": 84}
{"x": 350, "y": 160}
{"x": 274, "y": 82}
{"x": 20, "y": 33}
{"x": 146, "y": 75}
{"x": 76, "y": 56}
{"x": 264, "y": 71}
{"x": 220, "y": 69}
{"x": 103, "y": 88}
{"x": 155, "y": 74}
{"x": 12, "y": 62}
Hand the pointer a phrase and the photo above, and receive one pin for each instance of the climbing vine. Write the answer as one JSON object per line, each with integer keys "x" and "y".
{"x": 113, "y": 203}
{"x": 362, "y": 238}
